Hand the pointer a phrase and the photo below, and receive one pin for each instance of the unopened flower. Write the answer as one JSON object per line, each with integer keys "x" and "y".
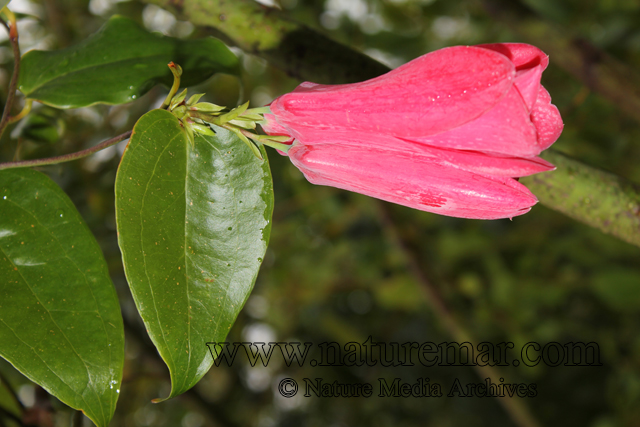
{"x": 446, "y": 133}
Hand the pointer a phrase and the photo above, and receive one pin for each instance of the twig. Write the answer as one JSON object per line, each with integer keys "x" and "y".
{"x": 67, "y": 157}
{"x": 13, "y": 84}
{"x": 518, "y": 412}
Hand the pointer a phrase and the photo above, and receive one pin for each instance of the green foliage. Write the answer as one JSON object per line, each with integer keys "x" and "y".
{"x": 60, "y": 322}
{"x": 193, "y": 224}
{"x": 44, "y": 126}
{"x": 118, "y": 64}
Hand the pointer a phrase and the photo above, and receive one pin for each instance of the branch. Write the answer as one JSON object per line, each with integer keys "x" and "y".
{"x": 597, "y": 198}
{"x": 300, "y": 51}
{"x": 67, "y": 157}
{"x": 13, "y": 84}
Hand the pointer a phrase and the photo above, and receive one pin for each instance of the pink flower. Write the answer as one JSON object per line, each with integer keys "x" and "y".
{"x": 446, "y": 133}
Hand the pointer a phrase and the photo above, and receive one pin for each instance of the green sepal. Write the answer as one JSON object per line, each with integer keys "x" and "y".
{"x": 233, "y": 113}
{"x": 202, "y": 129}
{"x": 244, "y": 124}
{"x": 206, "y": 107}
{"x": 178, "y": 99}
{"x": 194, "y": 99}
{"x": 244, "y": 139}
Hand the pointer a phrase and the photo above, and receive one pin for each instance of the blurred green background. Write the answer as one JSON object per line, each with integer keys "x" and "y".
{"x": 342, "y": 267}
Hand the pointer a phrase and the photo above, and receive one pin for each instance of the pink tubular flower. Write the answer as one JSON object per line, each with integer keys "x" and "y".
{"x": 446, "y": 133}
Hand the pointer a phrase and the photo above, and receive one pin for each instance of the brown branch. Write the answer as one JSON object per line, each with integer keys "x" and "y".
{"x": 67, "y": 157}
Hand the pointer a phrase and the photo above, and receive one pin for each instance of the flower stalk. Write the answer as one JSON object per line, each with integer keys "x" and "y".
{"x": 176, "y": 70}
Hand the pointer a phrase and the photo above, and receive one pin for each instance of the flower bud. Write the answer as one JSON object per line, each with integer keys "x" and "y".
{"x": 447, "y": 132}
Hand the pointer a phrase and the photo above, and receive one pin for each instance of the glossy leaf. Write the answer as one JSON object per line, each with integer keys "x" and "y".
{"x": 117, "y": 64}
{"x": 193, "y": 226}
{"x": 60, "y": 322}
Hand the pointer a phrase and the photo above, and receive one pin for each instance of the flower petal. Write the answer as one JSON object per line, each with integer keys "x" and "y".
{"x": 472, "y": 161}
{"x": 523, "y": 56}
{"x": 431, "y": 94}
{"x": 529, "y": 62}
{"x": 546, "y": 117}
{"x": 505, "y": 130}
{"x": 492, "y": 165}
{"x": 528, "y": 84}
{"x": 412, "y": 180}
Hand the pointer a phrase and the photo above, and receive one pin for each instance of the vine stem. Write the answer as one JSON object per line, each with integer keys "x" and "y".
{"x": 67, "y": 157}
{"x": 13, "y": 84}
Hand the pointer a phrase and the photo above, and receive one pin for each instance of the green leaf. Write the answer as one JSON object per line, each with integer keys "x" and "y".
{"x": 42, "y": 126}
{"x": 193, "y": 226}
{"x": 60, "y": 322}
{"x": 117, "y": 64}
